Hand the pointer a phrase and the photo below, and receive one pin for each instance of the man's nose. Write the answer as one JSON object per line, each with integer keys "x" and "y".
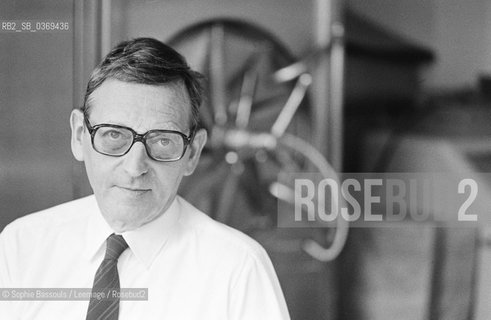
{"x": 136, "y": 160}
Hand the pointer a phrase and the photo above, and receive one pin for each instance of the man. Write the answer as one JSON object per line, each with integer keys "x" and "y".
{"x": 137, "y": 135}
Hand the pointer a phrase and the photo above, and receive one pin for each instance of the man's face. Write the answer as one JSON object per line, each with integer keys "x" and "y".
{"x": 133, "y": 189}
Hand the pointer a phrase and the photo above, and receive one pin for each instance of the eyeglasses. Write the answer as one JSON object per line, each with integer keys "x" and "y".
{"x": 161, "y": 145}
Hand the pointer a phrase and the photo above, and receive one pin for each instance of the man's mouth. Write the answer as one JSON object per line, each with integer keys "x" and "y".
{"x": 136, "y": 190}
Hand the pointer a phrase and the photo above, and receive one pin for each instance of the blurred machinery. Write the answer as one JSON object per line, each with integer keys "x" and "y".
{"x": 258, "y": 125}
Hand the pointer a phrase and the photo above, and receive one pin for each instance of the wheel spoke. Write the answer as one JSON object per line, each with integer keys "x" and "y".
{"x": 217, "y": 73}
{"x": 246, "y": 98}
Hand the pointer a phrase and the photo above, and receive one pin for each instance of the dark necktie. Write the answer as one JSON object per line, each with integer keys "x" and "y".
{"x": 107, "y": 280}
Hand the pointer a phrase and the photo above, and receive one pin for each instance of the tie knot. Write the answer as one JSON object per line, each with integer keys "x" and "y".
{"x": 115, "y": 245}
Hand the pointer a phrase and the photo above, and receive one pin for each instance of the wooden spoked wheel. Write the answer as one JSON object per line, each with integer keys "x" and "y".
{"x": 248, "y": 148}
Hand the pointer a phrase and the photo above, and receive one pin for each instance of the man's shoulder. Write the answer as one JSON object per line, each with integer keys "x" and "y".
{"x": 50, "y": 218}
{"x": 223, "y": 238}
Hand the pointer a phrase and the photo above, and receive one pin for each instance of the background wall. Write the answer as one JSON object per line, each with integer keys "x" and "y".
{"x": 35, "y": 103}
{"x": 458, "y": 31}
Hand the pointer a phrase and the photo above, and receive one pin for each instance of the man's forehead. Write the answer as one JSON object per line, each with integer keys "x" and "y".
{"x": 169, "y": 99}
{"x": 112, "y": 89}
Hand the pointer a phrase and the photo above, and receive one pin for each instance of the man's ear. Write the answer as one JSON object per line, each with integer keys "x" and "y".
{"x": 77, "y": 126}
{"x": 195, "y": 147}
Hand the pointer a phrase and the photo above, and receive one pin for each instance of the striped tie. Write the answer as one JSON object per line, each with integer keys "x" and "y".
{"x": 107, "y": 280}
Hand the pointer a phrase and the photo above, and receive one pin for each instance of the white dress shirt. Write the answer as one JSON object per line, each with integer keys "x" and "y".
{"x": 194, "y": 267}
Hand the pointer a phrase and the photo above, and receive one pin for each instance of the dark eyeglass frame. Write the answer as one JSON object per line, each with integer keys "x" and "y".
{"x": 139, "y": 137}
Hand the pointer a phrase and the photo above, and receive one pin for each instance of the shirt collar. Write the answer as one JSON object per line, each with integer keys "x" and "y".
{"x": 144, "y": 242}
